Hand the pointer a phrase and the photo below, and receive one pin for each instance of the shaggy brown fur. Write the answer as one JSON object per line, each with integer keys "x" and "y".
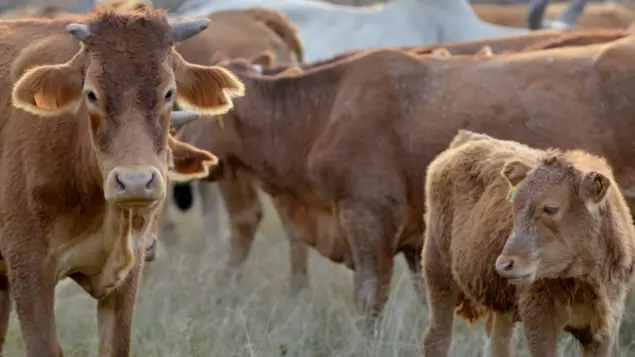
{"x": 567, "y": 214}
{"x": 595, "y": 15}
{"x": 393, "y": 112}
{"x": 268, "y": 37}
{"x": 83, "y": 160}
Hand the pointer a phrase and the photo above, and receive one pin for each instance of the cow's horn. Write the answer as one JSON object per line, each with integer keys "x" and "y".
{"x": 180, "y": 118}
{"x": 80, "y": 31}
{"x": 186, "y": 29}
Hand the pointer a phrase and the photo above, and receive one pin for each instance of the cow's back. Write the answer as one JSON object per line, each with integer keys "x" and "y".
{"x": 574, "y": 97}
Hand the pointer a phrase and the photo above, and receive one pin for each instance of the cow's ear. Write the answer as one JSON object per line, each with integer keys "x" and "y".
{"x": 50, "y": 90}
{"x": 263, "y": 59}
{"x": 188, "y": 162}
{"x": 515, "y": 171}
{"x": 204, "y": 89}
{"x": 593, "y": 187}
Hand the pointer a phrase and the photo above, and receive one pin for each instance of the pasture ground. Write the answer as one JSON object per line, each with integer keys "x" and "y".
{"x": 183, "y": 312}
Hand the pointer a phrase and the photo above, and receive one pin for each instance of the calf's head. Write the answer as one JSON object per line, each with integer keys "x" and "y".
{"x": 124, "y": 81}
{"x": 556, "y": 210}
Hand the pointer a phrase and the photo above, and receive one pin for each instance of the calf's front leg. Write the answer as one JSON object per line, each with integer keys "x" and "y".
{"x": 115, "y": 313}
{"x": 539, "y": 316}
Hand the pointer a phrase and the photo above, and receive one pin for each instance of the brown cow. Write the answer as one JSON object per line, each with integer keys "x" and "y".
{"x": 559, "y": 256}
{"x": 49, "y": 11}
{"x": 533, "y": 41}
{"x": 270, "y": 38}
{"x": 349, "y": 144}
{"x": 83, "y": 141}
{"x": 595, "y": 15}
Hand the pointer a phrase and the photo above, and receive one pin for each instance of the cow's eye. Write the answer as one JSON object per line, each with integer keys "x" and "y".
{"x": 169, "y": 95}
{"x": 90, "y": 95}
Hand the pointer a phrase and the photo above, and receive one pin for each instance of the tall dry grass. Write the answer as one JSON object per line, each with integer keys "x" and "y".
{"x": 183, "y": 311}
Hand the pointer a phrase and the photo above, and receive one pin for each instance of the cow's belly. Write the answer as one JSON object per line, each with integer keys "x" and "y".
{"x": 321, "y": 230}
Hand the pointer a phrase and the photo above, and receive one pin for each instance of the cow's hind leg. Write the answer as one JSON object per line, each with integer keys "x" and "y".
{"x": 115, "y": 313}
{"x": 5, "y": 310}
{"x": 442, "y": 296}
{"x": 371, "y": 239}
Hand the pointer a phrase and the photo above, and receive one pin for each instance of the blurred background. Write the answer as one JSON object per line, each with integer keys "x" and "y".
{"x": 172, "y": 5}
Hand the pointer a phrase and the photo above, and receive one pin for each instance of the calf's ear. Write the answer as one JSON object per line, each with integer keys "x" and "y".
{"x": 204, "y": 89}
{"x": 594, "y": 187}
{"x": 515, "y": 171}
{"x": 188, "y": 162}
{"x": 50, "y": 90}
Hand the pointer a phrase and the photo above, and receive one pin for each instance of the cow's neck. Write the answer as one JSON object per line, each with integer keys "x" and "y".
{"x": 88, "y": 182}
{"x": 280, "y": 118}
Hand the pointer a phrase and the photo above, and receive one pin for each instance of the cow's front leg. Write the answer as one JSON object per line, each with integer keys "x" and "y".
{"x": 32, "y": 281}
{"x": 115, "y": 313}
{"x": 298, "y": 250}
{"x": 244, "y": 211}
{"x": 5, "y": 310}
{"x": 371, "y": 241}
{"x": 413, "y": 259}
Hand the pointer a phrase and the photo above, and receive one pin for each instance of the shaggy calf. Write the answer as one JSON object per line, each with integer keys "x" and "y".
{"x": 558, "y": 256}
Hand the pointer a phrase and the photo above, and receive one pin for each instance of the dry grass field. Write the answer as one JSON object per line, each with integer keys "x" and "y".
{"x": 183, "y": 312}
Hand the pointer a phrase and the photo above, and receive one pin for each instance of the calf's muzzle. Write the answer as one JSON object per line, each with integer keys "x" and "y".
{"x": 516, "y": 269}
{"x": 132, "y": 187}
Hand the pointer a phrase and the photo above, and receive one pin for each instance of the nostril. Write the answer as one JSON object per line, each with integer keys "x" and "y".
{"x": 508, "y": 265}
{"x": 119, "y": 183}
{"x": 151, "y": 181}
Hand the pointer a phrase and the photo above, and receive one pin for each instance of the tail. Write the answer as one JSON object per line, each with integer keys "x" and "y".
{"x": 568, "y": 18}
{"x": 282, "y": 26}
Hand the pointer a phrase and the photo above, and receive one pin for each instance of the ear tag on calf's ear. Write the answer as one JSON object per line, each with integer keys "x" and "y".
{"x": 511, "y": 193}
{"x": 598, "y": 184}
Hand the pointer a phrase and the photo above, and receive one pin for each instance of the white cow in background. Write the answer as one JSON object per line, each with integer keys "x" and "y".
{"x": 328, "y": 29}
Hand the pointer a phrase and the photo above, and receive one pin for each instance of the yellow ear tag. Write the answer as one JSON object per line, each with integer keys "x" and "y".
{"x": 511, "y": 193}
{"x": 598, "y": 184}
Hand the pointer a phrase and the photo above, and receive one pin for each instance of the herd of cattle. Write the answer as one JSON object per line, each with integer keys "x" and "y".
{"x": 500, "y": 167}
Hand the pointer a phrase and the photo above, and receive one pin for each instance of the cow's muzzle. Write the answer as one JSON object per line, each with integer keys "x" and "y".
{"x": 134, "y": 187}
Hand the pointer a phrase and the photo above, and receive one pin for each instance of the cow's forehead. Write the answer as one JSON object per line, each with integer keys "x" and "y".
{"x": 546, "y": 181}
{"x": 136, "y": 36}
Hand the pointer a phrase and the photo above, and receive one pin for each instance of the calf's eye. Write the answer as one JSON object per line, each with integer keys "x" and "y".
{"x": 550, "y": 209}
{"x": 169, "y": 95}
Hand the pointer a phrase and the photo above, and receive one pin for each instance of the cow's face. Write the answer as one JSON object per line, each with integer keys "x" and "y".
{"x": 556, "y": 208}
{"x": 124, "y": 81}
